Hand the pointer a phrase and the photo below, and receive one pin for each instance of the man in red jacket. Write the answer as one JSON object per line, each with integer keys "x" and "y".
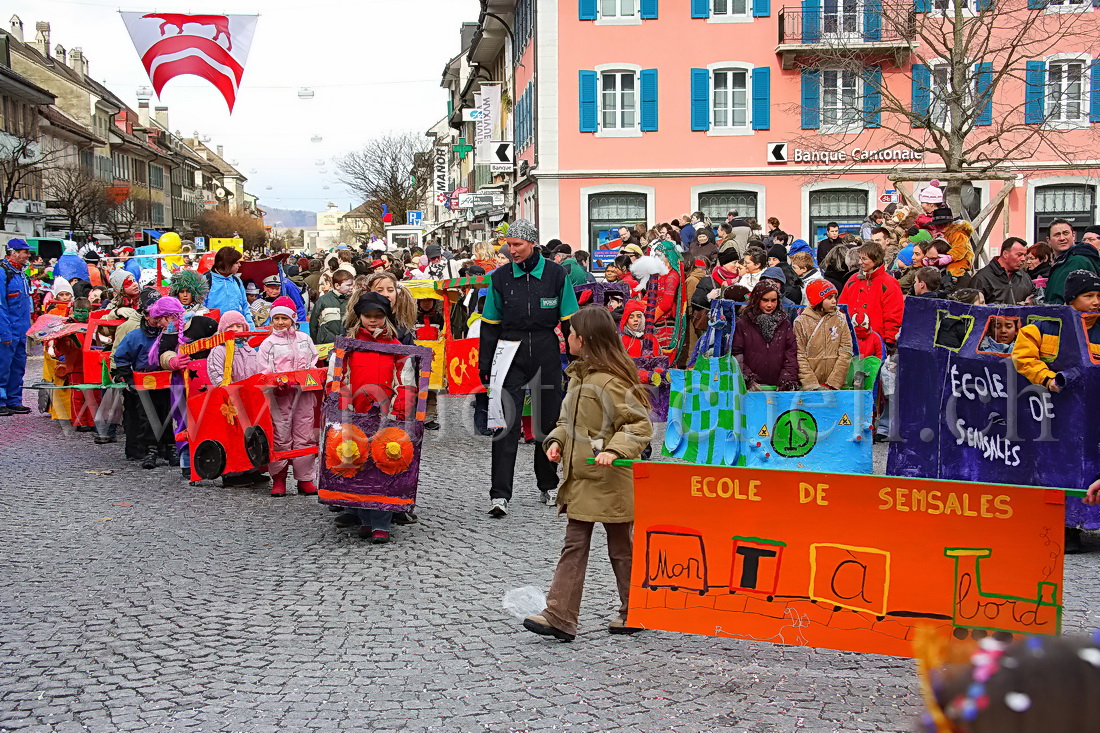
{"x": 876, "y": 293}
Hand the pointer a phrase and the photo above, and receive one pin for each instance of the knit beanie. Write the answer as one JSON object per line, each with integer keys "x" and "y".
{"x": 523, "y": 229}
{"x": 1079, "y": 282}
{"x": 231, "y": 318}
{"x": 819, "y": 290}
{"x": 779, "y": 252}
{"x": 920, "y": 237}
{"x": 727, "y": 256}
{"x": 118, "y": 280}
{"x": 284, "y": 306}
{"x": 931, "y": 194}
{"x": 61, "y": 285}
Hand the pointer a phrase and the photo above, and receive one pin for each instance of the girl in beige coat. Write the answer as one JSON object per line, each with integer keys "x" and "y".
{"x": 605, "y": 415}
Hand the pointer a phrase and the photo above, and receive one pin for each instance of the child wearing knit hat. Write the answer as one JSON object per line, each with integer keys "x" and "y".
{"x": 823, "y": 338}
{"x": 292, "y": 416}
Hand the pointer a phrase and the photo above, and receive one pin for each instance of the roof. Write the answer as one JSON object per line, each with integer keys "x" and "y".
{"x": 57, "y": 118}
{"x": 23, "y": 88}
{"x": 36, "y": 57}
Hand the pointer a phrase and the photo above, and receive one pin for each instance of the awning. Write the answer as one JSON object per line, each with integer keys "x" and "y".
{"x": 153, "y": 234}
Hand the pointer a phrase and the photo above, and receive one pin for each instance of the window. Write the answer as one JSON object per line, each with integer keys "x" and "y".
{"x": 523, "y": 26}
{"x": 1064, "y": 6}
{"x": 156, "y": 176}
{"x": 730, "y": 103}
{"x": 999, "y": 336}
{"x": 942, "y": 7}
{"x": 618, "y": 101}
{"x": 727, "y": 8}
{"x": 1066, "y": 91}
{"x": 840, "y": 107}
{"x": 952, "y": 331}
{"x": 717, "y": 203}
{"x": 609, "y": 211}
{"x": 842, "y": 17}
{"x": 618, "y": 8}
{"x": 157, "y": 213}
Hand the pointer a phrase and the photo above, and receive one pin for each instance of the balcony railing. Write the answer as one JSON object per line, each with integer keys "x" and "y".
{"x": 859, "y": 23}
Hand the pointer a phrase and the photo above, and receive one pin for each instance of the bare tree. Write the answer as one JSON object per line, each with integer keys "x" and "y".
{"x": 215, "y": 223}
{"x": 77, "y": 191}
{"x": 390, "y": 171}
{"x": 972, "y": 96}
{"x": 23, "y": 162}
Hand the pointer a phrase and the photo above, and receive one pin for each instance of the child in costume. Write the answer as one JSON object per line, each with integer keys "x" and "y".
{"x": 245, "y": 358}
{"x": 375, "y": 380}
{"x": 147, "y": 416}
{"x": 293, "y": 414}
{"x": 190, "y": 289}
{"x": 823, "y": 339}
{"x": 615, "y": 425}
{"x": 632, "y": 327}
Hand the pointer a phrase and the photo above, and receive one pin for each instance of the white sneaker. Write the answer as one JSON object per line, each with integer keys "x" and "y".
{"x": 499, "y": 508}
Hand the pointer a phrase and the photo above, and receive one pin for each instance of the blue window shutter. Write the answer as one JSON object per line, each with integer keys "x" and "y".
{"x": 872, "y": 96}
{"x": 648, "y": 9}
{"x": 700, "y": 8}
{"x": 586, "y": 10}
{"x": 763, "y": 8}
{"x": 1035, "y": 87}
{"x": 589, "y": 110}
{"x": 1094, "y": 91}
{"x": 1036, "y": 4}
{"x": 922, "y": 6}
{"x": 872, "y": 20}
{"x": 811, "y": 99}
{"x": 1096, "y": 3}
{"x": 811, "y": 21}
{"x": 647, "y": 85}
{"x": 984, "y": 5}
{"x": 983, "y": 74}
{"x": 700, "y": 99}
{"x": 761, "y": 98}
{"x": 922, "y": 94}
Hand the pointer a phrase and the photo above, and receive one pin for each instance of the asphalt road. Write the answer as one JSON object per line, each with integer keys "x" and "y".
{"x": 132, "y": 601}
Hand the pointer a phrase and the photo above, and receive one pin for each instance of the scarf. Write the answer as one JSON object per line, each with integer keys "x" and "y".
{"x": 724, "y": 277}
{"x": 769, "y": 322}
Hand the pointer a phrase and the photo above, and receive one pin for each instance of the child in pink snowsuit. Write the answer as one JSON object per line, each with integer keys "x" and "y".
{"x": 292, "y": 410}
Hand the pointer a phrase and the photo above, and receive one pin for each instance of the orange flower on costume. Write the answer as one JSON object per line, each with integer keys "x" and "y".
{"x": 346, "y": 450}
{"x": 392, "y": 450}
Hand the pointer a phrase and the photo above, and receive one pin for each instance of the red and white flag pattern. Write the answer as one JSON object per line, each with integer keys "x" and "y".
{"x": 214, "y": 47}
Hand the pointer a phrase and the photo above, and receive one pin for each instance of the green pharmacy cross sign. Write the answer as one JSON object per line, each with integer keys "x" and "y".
{"x": 462, "y": 148}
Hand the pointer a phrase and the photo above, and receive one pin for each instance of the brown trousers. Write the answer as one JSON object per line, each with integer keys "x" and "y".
{"x": 563, "y": 603}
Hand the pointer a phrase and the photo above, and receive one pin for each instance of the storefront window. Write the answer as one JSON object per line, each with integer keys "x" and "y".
{"x": 717, "y": 204}
{"x": 846, "y": 206}
{"x": 606, "y": 213}
{"x": 1076, "y": 203}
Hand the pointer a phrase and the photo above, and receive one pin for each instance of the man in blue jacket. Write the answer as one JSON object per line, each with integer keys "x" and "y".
{"x": 15, "y": 320}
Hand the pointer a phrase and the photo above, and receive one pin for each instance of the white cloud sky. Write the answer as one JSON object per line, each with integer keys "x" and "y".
{"x": 374, "y": 66}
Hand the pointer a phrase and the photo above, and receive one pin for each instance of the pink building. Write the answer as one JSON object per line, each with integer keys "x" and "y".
{"x": 632, "y": 111}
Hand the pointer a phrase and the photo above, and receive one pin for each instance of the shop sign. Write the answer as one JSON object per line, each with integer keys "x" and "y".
{"x": 784, "y": 153}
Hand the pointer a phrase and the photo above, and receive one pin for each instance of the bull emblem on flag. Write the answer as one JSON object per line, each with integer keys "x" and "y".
{"x": 214, "y": 47}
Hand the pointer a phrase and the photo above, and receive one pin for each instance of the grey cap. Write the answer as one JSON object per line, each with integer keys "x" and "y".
{"x": 523, "y": 229}
{"x": 432, "y": 251}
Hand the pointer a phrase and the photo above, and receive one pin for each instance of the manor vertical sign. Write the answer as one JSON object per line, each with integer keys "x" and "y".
{"x": 440, "y": 165}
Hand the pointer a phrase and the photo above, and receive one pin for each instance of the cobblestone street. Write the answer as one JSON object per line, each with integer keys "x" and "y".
{"x": 131, "y": 601}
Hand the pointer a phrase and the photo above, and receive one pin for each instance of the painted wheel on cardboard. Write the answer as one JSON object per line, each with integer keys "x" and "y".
{"x": 392, "y": 450}
{"x": 256, "y": 446}
{"x": 346, "y": 450}
{"x": 209, "y": 459}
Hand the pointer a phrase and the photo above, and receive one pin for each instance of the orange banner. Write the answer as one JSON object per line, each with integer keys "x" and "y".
{"x": 461, "y": 364}
{"x": 841, "y": 561}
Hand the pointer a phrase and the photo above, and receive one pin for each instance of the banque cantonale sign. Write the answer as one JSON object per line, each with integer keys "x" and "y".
{"x": 856, "y": 155}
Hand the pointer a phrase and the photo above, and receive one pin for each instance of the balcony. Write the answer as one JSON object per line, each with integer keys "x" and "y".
{"x": 842, "y": 29}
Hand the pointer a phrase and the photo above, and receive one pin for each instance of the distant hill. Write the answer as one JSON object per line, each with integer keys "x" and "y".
{"x": 290, "y": 217}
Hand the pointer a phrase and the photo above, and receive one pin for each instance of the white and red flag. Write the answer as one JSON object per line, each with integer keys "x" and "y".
{"x": 214, "y": 47}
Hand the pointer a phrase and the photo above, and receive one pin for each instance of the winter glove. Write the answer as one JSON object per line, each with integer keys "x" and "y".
{"x": 178, "y": 362}
{"x": 123, "y": 374}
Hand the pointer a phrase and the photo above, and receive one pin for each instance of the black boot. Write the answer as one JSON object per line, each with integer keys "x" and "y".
{"x": 1073, "y": 541}
{"x": 150, "y": 460}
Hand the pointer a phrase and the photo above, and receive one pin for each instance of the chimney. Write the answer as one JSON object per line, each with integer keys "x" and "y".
{"x": 77, "y": 61}
{"x": 467, "y": 35}
{"x": 16, "y": 27}
{"x": 143, "y": 112}
{"x": 59, "y": 54}
{"x": 42, "y": 37}
{"x": 160, "y": 114}
{"x": 221, "y": 153}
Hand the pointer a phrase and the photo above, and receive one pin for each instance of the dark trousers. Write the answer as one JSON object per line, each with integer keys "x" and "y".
{"x": 545, "y": 384}
{"x": 147, "y": 422}
{"x": 13, "y": 363}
